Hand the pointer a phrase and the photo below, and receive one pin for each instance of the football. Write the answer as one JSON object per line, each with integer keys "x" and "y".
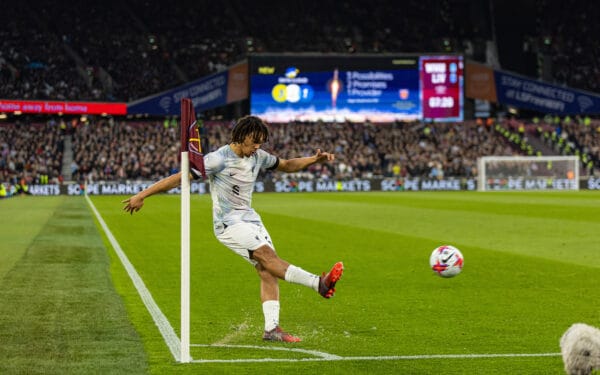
{"x": 446, "y": 261}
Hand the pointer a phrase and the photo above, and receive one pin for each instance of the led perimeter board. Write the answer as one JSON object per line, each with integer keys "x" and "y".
{"x": 378, "y": 88}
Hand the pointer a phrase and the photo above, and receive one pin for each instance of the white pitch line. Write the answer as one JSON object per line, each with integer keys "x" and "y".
{"x": 161, "y": 321}
{"x": 275, "y": 348}
{"x": 368, "y": 358}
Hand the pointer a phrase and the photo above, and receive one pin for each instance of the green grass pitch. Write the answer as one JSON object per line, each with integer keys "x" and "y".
{"x": 531, "y": 268}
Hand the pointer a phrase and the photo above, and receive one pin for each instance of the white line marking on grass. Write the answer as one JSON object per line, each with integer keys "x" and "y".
{"x": 323, "y": 357}
{"x": 165, "y": 328}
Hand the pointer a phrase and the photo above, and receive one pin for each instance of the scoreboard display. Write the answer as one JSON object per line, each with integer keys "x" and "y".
{"x": 441, "y": 79}
{"x": 357, "y": 88}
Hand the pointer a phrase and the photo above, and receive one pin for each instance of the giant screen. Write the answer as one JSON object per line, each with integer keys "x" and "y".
{"x": 378, "y": 88}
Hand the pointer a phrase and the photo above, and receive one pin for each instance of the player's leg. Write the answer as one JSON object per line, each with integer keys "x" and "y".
{"x": 268, "y": 258}
{"x": 269, "y": 285}
{"x": 269, "y": 295}
{"x": 272, "y": 263}
{"x": 245, "y": 236}
{"x": 242, "y": 237}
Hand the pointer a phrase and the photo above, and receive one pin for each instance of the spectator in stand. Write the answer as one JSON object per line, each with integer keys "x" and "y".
{"x": 368, "y": 150}
{"x": 562, "y": 27}
{"x": 24, "y": 154}
{"x": 4, "y": 192}
{"x": 106, "y": 151}
{"x": 128, "y": 50}
{"x": 109, "y": 150}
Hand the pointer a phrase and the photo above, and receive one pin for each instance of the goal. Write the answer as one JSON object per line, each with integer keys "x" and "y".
{"x": 528, "y": 173}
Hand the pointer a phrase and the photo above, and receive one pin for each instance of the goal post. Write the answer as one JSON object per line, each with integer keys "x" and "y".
{"x": 497, "y": 173}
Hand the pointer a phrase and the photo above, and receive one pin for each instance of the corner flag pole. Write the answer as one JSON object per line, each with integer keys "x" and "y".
{"x": 187, "y": 118}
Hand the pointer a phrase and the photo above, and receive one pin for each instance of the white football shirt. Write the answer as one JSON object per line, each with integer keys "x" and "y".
{"x": 231, "y": 179}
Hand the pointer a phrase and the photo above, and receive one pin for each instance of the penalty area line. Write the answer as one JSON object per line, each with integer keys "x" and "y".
{"x": 161, "y": 321}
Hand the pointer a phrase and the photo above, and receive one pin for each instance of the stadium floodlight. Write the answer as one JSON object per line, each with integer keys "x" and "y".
{"x": 528, "y": 173}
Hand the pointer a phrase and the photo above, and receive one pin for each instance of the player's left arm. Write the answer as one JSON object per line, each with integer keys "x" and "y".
{"x": 298, "y": 164}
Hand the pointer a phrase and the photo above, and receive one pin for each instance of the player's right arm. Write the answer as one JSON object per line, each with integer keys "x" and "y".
{"x": 135, "y": 203}
{"x": 298, "y": 164}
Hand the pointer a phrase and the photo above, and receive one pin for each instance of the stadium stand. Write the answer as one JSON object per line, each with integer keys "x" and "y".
{"x": 34, "y": 66}
{"x": 125, "y": 50}
{"x": 562, "y": 32}
{"x": 31, "y": 153}
{"x": 121, "y": 150}
{"x": 392, "y": 150}
{"x": 110, "y": 150}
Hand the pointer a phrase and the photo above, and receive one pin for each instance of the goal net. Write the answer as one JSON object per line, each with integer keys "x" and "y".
{"x": 528, "y": 173}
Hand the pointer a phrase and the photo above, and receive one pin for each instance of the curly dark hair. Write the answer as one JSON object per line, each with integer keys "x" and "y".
{"x": 250, "y": 126}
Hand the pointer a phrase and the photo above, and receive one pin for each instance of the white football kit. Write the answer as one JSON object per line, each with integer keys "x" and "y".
{"x": 231, "y": 180}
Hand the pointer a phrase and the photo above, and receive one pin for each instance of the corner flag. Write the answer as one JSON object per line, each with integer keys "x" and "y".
{"x": 190, "y": 136}
{"x": 189, "y": 131}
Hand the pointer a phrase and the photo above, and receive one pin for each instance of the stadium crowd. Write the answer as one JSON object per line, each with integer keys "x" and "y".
{"x": 110, "y": 150}
{"x": 366, "y": 150}
{"x": 126, "y": 50}
{"x": 562, "y": 38}
{"x": 30, "y": 154}
{"x": 105, "y": 149}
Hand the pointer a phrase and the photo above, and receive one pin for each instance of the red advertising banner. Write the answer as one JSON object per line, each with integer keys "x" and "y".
{"x": 441, "y": 84}
{"x": 83, "y": 108}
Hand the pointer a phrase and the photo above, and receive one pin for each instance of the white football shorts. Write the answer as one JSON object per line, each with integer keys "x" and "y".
{"x": 243, "y": 238}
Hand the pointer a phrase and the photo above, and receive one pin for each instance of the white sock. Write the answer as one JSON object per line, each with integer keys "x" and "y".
{"x": 271, "y": 312}
{"x": 297, "y": 275}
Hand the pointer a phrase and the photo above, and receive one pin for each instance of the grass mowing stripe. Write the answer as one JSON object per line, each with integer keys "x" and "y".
{"x": 159, "y": 318}
{"x": 544, "y": 233}
{"x": 23, "y": 218}
{"x": 59, "y": 311}
{"x": 536, "y": 205}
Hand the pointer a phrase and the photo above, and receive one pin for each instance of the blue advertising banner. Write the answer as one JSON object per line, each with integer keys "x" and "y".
{"x": 522, "y": 92}
{"x": 206, "y": 93}
{"x": 377, "y": 95}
